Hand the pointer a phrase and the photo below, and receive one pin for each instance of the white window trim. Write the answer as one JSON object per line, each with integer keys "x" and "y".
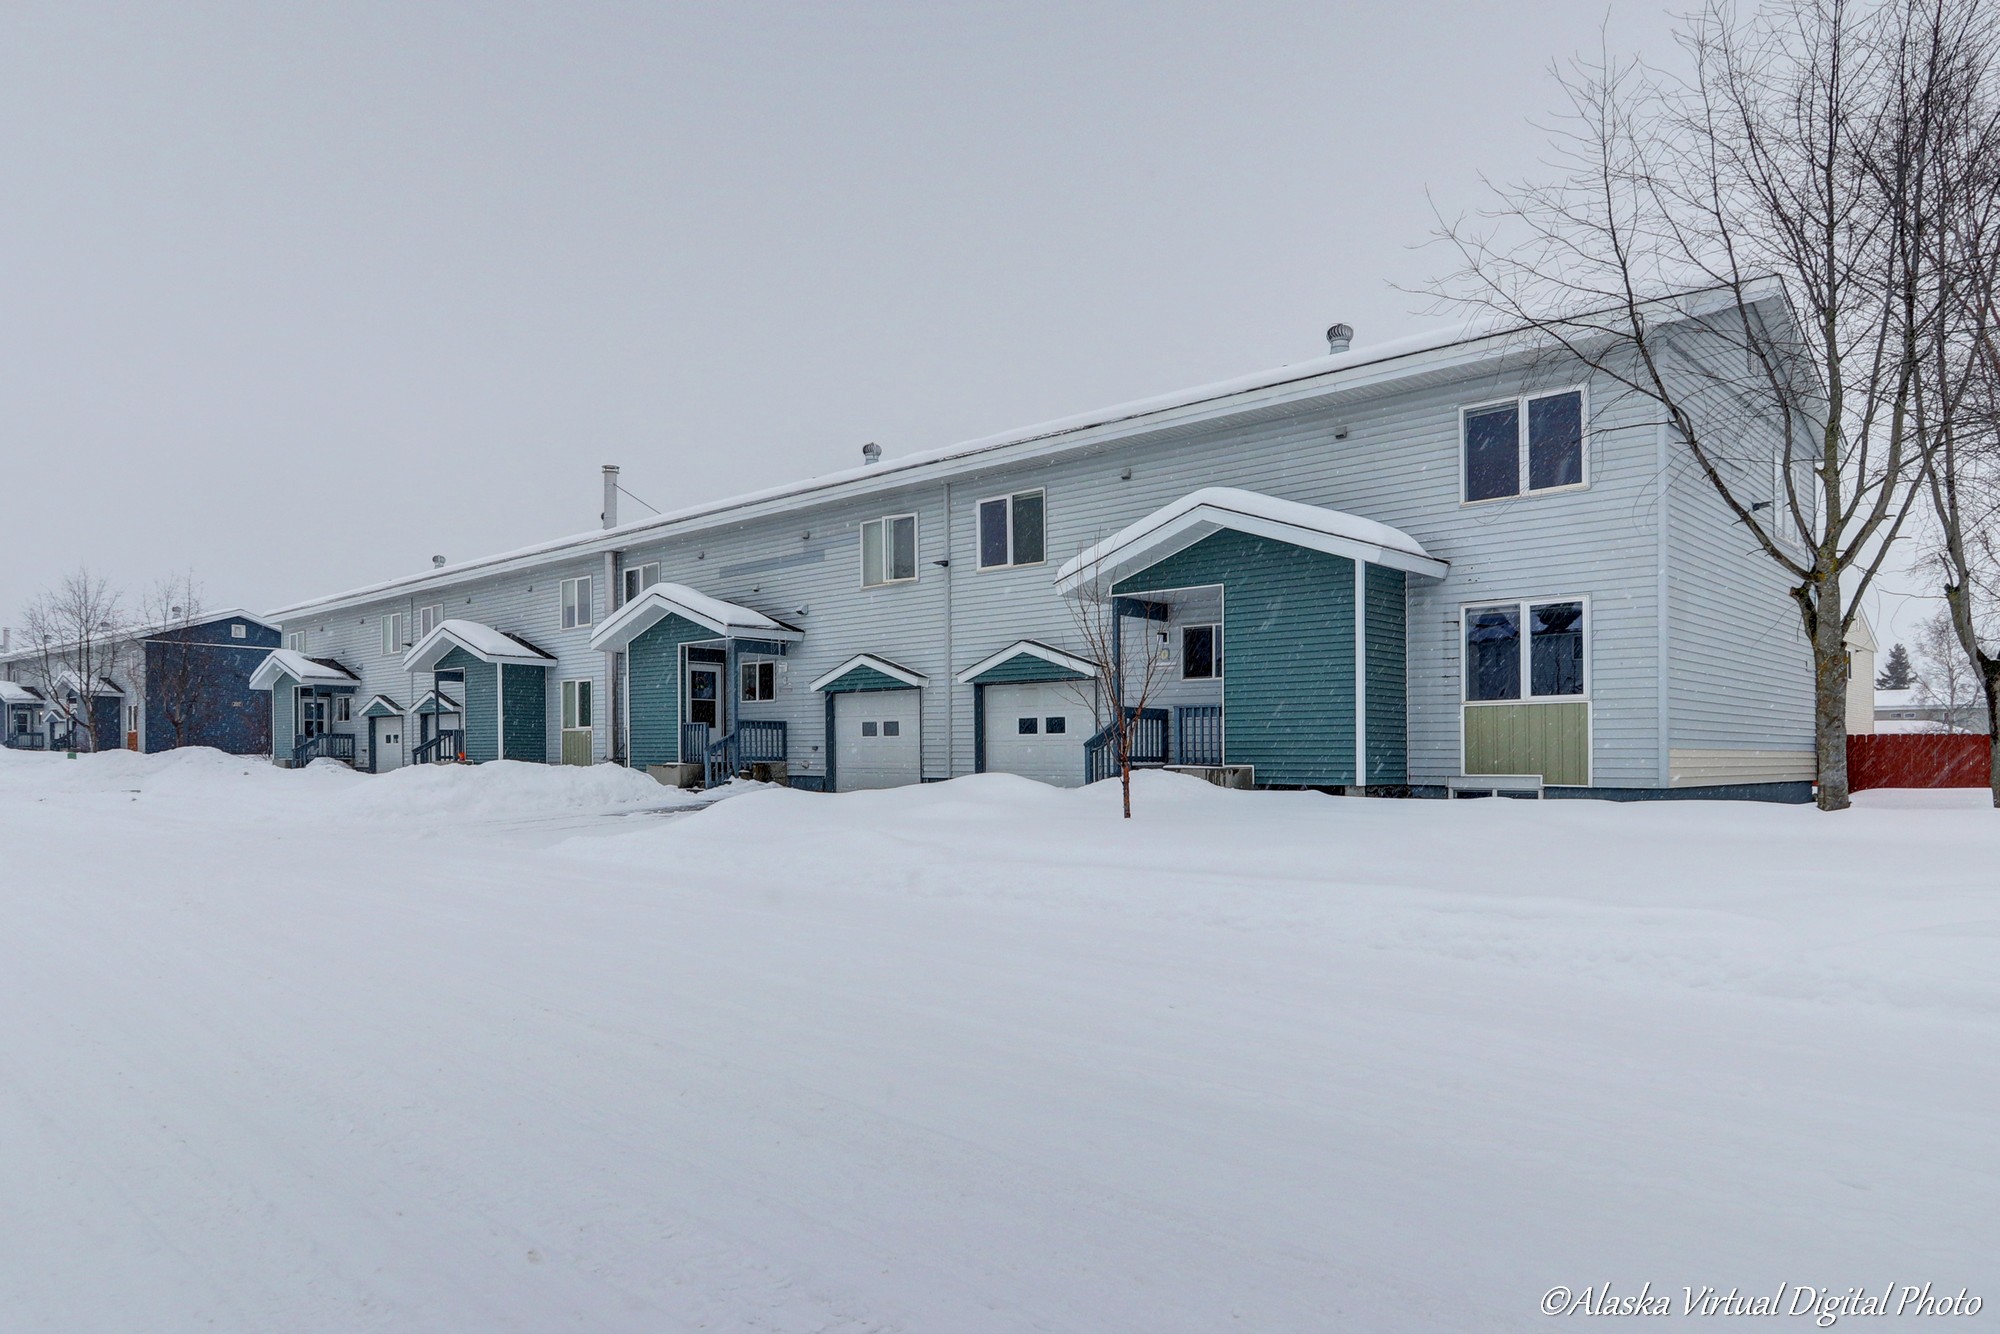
{"x": 572, "y": 689}
{"x": 777, "y": 679}
{"x": 436, "y": 612}
{"x": 916, "y": 547}
{"x": 238, "y": 630}
{"x": 1214, "y": 629}
{"x": 978, "y": 546}
{"x": 1520, "y": 402}
{"x": 1521, "y": 606}
{"x": 295, "y": 640}
{"x": 627, "y": 575}
{"x": 394, "y": 640}
{"x": 585, "y": 610}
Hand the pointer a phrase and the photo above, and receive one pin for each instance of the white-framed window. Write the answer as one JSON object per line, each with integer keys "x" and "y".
{"x": 343, "y": 708}
{"x": 296, "y": 641}
{"x": 238, "y": 630}
{"x": 576, "y": 705}
{"x": 428, "y": 618}
{"x": 639, "y": 578}
{"x": 1532, "y": 649}
{"x": 1201, "y": 653}
{"x": 1519, "y": 446}
{"x": 393, "y": 639}
{"x": 576, "y": 602}
{"x": 889, "y": 550}
{"x": 1013, "y": 530}
{"x": 760, "y": 680}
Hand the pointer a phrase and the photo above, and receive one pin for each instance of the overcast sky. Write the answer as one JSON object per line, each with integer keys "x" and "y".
{"x": 297, "y": 296}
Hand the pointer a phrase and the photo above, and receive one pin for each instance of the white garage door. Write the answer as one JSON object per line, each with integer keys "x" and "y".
{"x": 1038, "y": 731}
{"x": 875, "y": 739}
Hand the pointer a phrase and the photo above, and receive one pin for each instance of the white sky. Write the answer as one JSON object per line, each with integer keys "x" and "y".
{"x": 297, "y": 296}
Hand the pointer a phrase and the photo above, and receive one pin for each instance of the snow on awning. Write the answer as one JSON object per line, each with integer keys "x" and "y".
{"x": 727, "y": 619}
{"x": 71, "y": 683}
{"x": 282, "y": 662}
{"x": 1186, "y": 521}
{"x": 436, "y": 701}
{"x": 481, "y": 641}
{"x": 382, "y": 707}
{"x": 1043, "y": 663}
{"x": 13, "y": 692}
{"x": 865, "y": 671}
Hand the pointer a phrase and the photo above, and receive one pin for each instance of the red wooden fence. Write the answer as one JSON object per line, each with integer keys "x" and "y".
{"x": 1917, "y": 759}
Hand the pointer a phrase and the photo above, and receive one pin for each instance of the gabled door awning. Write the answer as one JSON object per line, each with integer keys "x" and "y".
{"x": 1176, "y": 527}
{"x": 436, "y": 701}
{"x": 481, "y": 641}
{"x": 865, "y": 671}
{"x": 283, "y": 662}
{"x": 727, "y": 620}
{"x": 382, "y": 707}
{"x": 1027, "y": 660}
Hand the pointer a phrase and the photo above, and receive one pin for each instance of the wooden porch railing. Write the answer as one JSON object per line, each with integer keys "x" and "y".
{"x": 753, "y": 742}
{"x": 444, "y": 748}
{"x": 325, "y": 746}
{"x": 1149, "y": 744}
{"x": 1198, "y": 734}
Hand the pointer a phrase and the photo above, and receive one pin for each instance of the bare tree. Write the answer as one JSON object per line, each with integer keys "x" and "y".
{"x": 1945, "y": 676}
{"x": 1786, "y": 176}
{"x": 77, "y": 633}
{"x": 1130, "y": 666}
{"x": 180, "y": 675}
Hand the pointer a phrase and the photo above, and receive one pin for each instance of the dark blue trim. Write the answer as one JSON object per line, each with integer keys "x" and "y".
{"x": 978, "y": 727}
{"x": 829, "y": 744}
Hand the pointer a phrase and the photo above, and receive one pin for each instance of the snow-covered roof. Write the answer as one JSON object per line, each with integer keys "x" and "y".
{"x": 71, "y": 683}
{"x": 13, "y": 692}
{"x": 727, "y": 619}
{"x": 381, "y": 706}
{"x": 436, "y": 701}
{"x": 282, "y": 662}
{"x": 1032, "y": 648}
{"x": 1378, "y": 363}
{"x": 894, "y": 671}
{"x": 1186, "y": 521}
{"x": 481, "y": 641}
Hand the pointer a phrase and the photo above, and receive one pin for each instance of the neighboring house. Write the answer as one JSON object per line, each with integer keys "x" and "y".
{"x": 23, "y": 717}
{"x": 1913, "y": 710}
{"x": 1384, "y": 569}
{"x": 1861, "y": 694}
{"x": 182, "y": 684}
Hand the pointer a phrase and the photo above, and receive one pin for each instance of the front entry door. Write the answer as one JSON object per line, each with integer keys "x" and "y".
{"x": 705, "y": 695}
{"x": 312, "y": 715}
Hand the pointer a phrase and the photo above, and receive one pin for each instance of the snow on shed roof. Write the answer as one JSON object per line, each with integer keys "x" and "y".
{"x": 13, "y": 692}
{"x": 728, "y": 620}
{"x": 481, "y": 641}
{"x": 1180, "y": 525}
{"x": 306, "y": 671}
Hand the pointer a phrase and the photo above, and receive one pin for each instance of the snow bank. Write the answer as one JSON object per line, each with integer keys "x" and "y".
{"x": 506, "y": 790}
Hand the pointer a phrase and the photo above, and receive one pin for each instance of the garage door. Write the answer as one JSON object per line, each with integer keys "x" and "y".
{"x": 875, "y": 739}
{"x": 1038, "y": 731}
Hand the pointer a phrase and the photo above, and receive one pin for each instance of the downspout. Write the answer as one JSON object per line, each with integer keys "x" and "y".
{"x": 1660, "y": 595}
{"x": 614, "y": 694}
{"x": 950, "y": 661}
{"x": 1360, "y": 676}
{"x": 500, "y": 709}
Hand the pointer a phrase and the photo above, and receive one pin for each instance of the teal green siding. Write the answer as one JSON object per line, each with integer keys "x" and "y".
{"x": 1388, "y": 709}
{"x": 527, "y": 712}
{"x": 284, "y": 717}
{"x": 482, "y": 705}
{"x": 1288, "y": 646}
{"x": 377, "y": 709}
{"x": 864, "y": 678}
{"x": 653, "y": 661}
{"x": 1023, "y": 668}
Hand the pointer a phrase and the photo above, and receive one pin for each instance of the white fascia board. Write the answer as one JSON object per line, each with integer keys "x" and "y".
{"x": 728, "y": 620}
{"x": 882, "y": 665}
{"x": 439, "y": 699}
{"x": 283, "y": 662}
{"x": 1180, "y": 525}
{"x": 1034, "y": 649}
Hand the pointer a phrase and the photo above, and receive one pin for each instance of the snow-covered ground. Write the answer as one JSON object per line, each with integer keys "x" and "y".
{"x": 527, "y": 1049}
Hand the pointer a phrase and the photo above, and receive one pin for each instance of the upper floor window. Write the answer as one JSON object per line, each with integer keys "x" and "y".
{"x": 1524, "y": 650}
{"x": 1201, "y": 652}
{"x": 296, "y": 641}
{"x": 393, "y": 639}
{"x": 238, "y": 630}
{"x": 640, "y": 578}
{"x": 575, "y": 602}
{"x": 1523, "y": 445}
{"x": 1011, "y": 529}
{"x": 889, "y": 550}
{"x": 428, "y": 618}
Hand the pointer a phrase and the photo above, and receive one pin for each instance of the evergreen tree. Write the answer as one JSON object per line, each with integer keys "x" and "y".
{"x": 1896, "y": 673}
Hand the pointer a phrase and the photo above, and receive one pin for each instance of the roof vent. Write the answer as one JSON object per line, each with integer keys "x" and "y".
{"x": 437, "y": 562}
{"x": 1339, "y": 338}
{"x": 871, "y": 453}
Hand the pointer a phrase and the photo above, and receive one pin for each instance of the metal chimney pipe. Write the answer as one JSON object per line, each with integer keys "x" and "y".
{"x": 610, "y": 515}
{"x": 1339, "y": 338}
